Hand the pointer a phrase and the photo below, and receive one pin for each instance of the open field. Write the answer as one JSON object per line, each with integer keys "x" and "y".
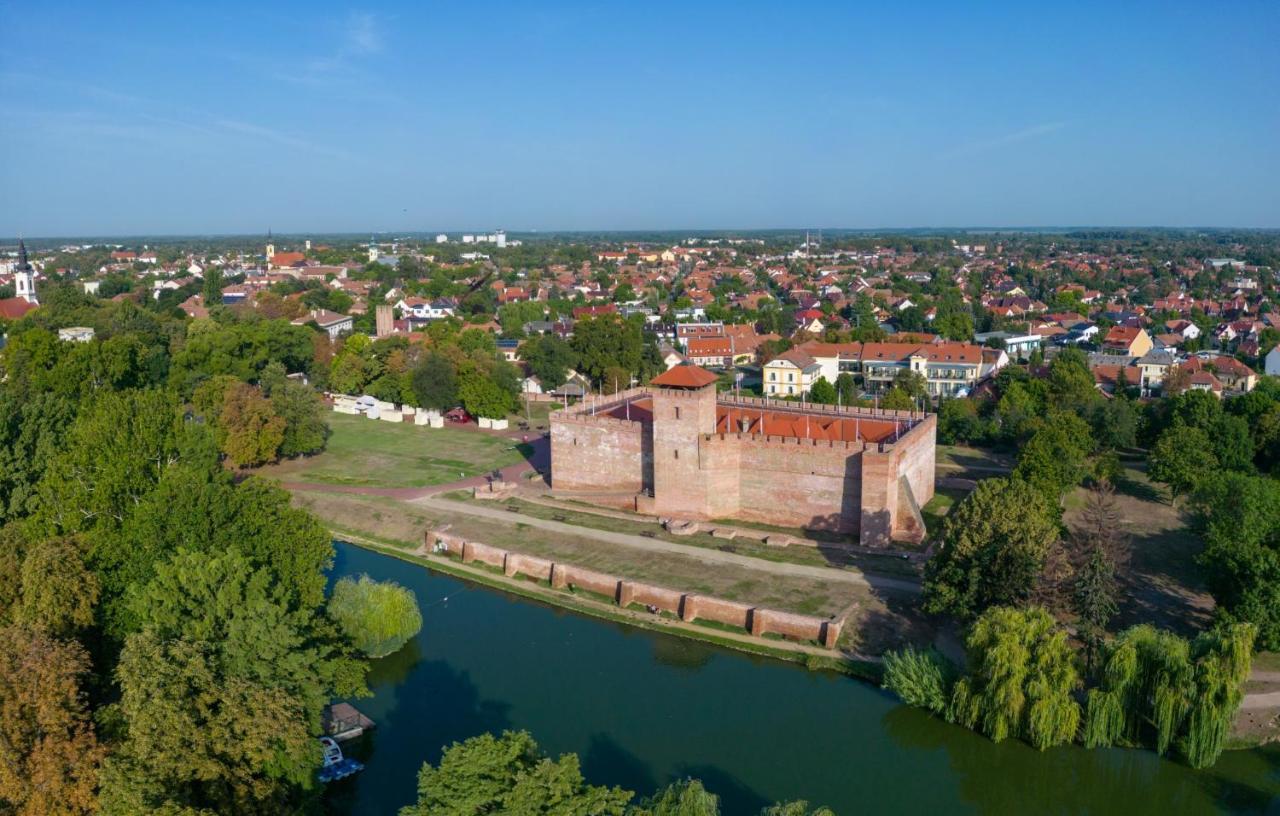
{"x": 366, "y": 452}
{"x": 974, "y": 463}
{"x": 536, "y": 414}
{"x": 1161, "y": 584}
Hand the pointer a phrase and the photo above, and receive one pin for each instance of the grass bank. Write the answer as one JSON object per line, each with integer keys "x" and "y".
{"x": 578, "y": 602}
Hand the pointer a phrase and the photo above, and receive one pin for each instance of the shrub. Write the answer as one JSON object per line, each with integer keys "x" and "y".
{"x": 920, "y": 678}
{"x": 378, "y": 617}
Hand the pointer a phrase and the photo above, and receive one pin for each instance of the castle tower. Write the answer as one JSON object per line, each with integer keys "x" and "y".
{"x": 684, "y": 409}
{"x": 24, "y": 277}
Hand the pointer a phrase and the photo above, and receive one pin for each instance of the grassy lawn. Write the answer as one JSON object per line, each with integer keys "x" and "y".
{"x": 371, "y": 453}
{"x": 1267, "y": 661}
{"x": 978, "y": 463}
{"x": 938, "y": 508}
{"x": 537, "y": 414}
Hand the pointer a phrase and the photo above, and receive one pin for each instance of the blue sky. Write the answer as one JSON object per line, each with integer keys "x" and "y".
{"x": 128, "y": 118}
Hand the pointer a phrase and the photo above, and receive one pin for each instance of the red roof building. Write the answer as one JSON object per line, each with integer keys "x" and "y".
{"x": 684, "y": 376}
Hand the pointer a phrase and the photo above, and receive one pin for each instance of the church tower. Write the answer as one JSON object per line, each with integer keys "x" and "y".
{"x": 24, "y": 277}
{"x": 271, "y": 249}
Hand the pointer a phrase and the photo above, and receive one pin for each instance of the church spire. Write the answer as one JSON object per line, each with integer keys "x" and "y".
{"x": 24, "y": 277}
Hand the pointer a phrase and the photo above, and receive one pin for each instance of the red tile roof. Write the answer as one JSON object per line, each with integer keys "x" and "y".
{"x": 684, "y": 376}
{"x": 14, "y": 308}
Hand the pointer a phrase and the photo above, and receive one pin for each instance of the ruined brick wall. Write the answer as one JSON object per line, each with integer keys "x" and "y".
{"x": 789, "y": 624}
{"x": 596, "y": 453}
{"x": 532, "y": 566}
{"x": 668, "y": 600}
{"x": 475, "y": 551}
{"x": 564, "y": 575}
{"x": 704, "y": 607}
{"x": 689, "y": 606}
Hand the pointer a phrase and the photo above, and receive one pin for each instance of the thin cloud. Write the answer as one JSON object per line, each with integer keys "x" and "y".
{"x": 279, "y": 137}
{"x": 364, "y": 35}
{"x": 1007, "y": 139}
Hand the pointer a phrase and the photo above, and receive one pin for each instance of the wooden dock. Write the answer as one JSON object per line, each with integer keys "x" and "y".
{"x": 343, "y": 722}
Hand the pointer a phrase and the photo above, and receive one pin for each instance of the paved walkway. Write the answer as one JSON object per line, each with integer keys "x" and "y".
{"x": 657, "y": 545}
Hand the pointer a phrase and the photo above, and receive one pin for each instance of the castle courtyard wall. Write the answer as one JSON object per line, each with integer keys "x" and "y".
{"x": 597, "y": 453}
{"x": 872, "y": 490}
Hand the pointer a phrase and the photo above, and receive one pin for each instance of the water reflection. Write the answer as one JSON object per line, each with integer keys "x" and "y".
{"x": 606, "y": 759}
{"x": 1013, "y": 777}
{"x": 680, "y": 654}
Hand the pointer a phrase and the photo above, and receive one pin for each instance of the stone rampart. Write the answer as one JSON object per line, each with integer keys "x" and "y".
{"x": 688, "y": 606}
{"x": 532, "y": 566}
{"x": 666, "y": 600}
{"x": 475, "y": 551}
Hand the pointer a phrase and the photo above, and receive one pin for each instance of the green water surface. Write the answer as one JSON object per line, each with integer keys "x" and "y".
{"x": 642, "y": 709}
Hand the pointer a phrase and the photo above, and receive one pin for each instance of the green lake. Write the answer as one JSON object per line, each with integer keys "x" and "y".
{"x": 642, "y": 709}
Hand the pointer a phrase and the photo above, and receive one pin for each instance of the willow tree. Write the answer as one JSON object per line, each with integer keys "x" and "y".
{"x": 919, "y": 678}
{"x": 377, "y": 616}
{"x": 1021, "y": 679}
{"x": 1146, "y": 679}
{"x": 1222, "y": 662}
{"x": 1185, "y": 694}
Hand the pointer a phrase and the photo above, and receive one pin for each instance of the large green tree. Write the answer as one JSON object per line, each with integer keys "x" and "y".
{"x": 221, "y": 691}
{"x": 510, "y": 775}
{"x": 1181, "y": 457}
{"x": 994, "y": 545}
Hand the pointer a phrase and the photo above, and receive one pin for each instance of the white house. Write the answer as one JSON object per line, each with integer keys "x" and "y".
{"x": 332, "y": 323}
{"x": 1272, "y": 367}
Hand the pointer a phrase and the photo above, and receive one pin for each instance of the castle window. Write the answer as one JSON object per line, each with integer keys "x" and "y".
{"x": 676, "y": 453}
{"x": 677, "y": 412}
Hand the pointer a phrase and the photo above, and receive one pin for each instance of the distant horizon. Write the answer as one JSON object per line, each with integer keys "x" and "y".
{"x": 699, "y": 232}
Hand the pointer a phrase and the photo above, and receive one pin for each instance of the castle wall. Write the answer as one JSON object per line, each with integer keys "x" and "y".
{"x": 680, "y": 418}
{"x": 785, "y": 481}
{"x": 866, "y": 489}
{"x": 597, "y": 453}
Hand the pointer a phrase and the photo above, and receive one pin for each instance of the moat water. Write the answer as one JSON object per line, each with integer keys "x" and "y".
{"x": 642, "y": 709}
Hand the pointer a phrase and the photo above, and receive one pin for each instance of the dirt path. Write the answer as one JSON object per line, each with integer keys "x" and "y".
{"x": 657, "y": 545}
{"x": 1270, "y": 699}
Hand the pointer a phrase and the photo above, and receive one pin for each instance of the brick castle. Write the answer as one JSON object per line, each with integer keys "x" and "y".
{"x": 678, "y": 449}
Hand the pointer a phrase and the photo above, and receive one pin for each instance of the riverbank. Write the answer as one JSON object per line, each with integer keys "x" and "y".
{"x": 815, "y": 658}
